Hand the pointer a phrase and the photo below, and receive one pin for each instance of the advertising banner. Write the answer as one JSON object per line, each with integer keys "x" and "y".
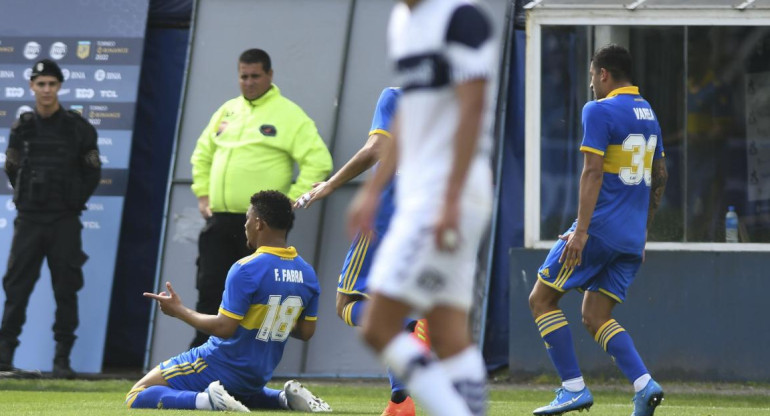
{"x": 98, "y": 45}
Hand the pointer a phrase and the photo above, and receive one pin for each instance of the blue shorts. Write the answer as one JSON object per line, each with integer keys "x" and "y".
{"x": 189, "y": 371}
{"x": 603, "y": 269}
{"x": 355, "y": 271}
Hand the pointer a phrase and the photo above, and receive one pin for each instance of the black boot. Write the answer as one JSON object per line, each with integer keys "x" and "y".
{"x": 61, "y": 361}
{"x": 6, "y": 356}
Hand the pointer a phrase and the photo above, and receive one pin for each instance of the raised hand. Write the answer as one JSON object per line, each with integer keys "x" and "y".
{"x": 170, "y": 304}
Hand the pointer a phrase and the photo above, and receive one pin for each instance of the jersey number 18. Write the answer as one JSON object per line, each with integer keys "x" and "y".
{"x": 280, "y": 318}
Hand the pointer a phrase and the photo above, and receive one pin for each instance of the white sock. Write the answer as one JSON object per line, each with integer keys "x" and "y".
{"x": 574, "y": 384}
{"x": 468, "y": 374}
{"x": 641, "y": 382}
{"x": 202, "y": 402}
{"x": 425, "y": 379}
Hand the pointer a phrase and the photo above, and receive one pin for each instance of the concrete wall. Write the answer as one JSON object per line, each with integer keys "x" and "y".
{"x": 693, "y": 315}
{"x": 307, "y": 41}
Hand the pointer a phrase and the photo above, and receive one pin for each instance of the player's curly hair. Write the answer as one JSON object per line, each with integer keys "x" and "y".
{"x": 274, "y": 208}
{"x": 616, "y": 60}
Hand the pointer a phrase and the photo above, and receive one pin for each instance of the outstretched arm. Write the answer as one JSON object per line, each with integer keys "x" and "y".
{"x": 171, "y": 304}
{"x": 364, "y": 206}
{"x": 364, "y": 159}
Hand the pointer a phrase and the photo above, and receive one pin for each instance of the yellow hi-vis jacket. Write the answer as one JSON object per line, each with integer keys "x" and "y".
{"x": 251, "y": 146}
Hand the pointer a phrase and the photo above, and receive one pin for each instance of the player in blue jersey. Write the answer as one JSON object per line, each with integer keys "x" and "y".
{"x": 351, "y": 287}
{"x": 624, "y": 175}
{"x": 269, "y": 296}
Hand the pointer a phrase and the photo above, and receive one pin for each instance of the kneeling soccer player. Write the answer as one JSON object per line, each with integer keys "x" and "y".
{"x": 268, "y": 296}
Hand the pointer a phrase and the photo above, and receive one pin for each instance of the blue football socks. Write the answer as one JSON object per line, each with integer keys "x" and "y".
{"x": 161, "y": 397}
{"x": 554, "y": 329}
{"x": 352, "y": 312}
{"x": 618, "y": 344}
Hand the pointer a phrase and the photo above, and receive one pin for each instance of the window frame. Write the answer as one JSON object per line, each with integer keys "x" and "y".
{"x": 539, "y": 17}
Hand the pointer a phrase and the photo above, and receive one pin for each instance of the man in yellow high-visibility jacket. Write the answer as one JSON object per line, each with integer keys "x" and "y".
{"x": 250, "y": 145}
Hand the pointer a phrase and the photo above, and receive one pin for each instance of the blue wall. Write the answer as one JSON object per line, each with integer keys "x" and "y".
{"x": 157, "y": 108}
{"x": 692, "y": 315}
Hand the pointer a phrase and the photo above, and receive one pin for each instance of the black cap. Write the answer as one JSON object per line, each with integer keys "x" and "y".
{"x": 46, "y": 67}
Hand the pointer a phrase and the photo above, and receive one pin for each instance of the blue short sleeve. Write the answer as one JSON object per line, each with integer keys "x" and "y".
{"x": 385, "y": 111}
{"x": 240, "y": 287}
{"x": 659, "y": 151}
{"x": 596, "y": 129}
{"x": 311, "y": 311}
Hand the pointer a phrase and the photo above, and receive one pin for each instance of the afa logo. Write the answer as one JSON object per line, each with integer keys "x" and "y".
{"x": 84, "y": 49}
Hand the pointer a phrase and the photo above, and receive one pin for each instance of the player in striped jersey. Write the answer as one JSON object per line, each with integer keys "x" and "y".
{"x": 269, "y": 296}
{"x": 624, "y": 175}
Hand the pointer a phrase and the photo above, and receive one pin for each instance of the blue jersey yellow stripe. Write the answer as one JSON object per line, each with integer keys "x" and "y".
{"x": 268, "y": 292}
{"x": 624, "y": 130}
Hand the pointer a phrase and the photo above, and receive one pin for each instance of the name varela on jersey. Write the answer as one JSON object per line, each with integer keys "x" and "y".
{"x": 288, "y": 275}
{"x": 644, "y": 113}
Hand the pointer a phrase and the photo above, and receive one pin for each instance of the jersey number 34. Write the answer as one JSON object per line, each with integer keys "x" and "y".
{"x": 641, "y": 149}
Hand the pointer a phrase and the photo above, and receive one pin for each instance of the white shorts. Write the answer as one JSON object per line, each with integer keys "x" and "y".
{"x": 409, "y": 268}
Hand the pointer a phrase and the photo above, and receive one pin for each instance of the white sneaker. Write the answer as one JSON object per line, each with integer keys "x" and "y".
{"x": 300, "y": 398}
{"x": 220, "y": 399}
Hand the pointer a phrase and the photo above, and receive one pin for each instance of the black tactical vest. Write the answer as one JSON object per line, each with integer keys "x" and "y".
{"x": 49, "y": 177}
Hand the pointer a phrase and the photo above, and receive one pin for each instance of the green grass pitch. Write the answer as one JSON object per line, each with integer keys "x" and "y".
{"x": 355, "y": 397}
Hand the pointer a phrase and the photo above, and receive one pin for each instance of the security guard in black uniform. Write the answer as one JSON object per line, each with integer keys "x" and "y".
{"x": 53, "y": 164}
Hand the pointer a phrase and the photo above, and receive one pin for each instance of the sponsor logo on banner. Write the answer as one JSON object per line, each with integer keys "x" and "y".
{"x": 66, "y": 73}
{"x": 104, "y": 159}
{"x": 2, "y": 140}
{"x": 104, "y": 141}
{"x": 58, "y": 50}
{"x": 95, "y": 206}
{"x": 77, "y": 74}
{"x": 84, "y": 49}
{"x": 6, "y": 48}
{"x": 6, "y": 74}
{"x": 64, "y": 91}
{"x": 31, "y": 50}
{"x": 78, "y": 108}
{"x": 27, "y": 73}
{"x": 91, "y": 225}
{"x": 105, "y": 48}
{"x": 23, "y": 109}
{"x": 14, "y": 92}
{"x": 3, "y": 222}
{"x": 97, "y": 112}
{"x": 108, "y": 94}
{"x": 100, "y": 75}
{"x": 84, "y": 93}
{"x": 9, "y": 205}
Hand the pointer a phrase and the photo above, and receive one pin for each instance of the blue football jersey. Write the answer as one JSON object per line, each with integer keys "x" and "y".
{"x": 624, "y": 130}
{"x": 383, "y": 116}
{"x": 268, "y": 292}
